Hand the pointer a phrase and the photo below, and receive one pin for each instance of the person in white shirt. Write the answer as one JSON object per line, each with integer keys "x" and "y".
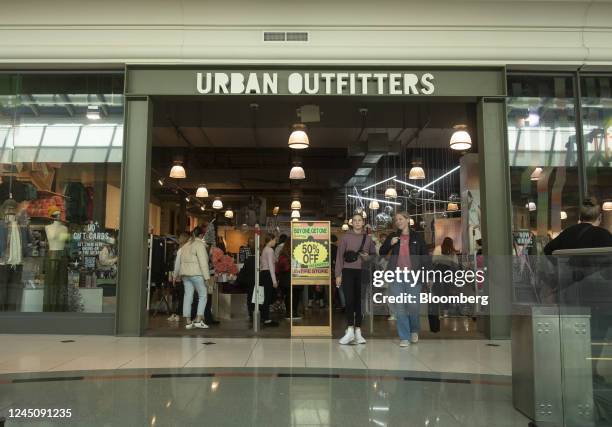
{"x": 191, "y": 265}
{"x": 267, "y": 277}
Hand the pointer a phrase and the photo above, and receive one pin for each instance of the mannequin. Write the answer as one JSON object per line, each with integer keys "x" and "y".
{"x": 56, "y": 264}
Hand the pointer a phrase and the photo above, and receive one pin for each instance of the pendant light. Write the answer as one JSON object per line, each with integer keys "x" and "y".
{"x": 563, "y": 215}
{"x": 391, "y": 193}
{"x": 160, "y": 181}
{"x": 452, "y": 206}
{"x": 217, "y": 204}
{"x": 295, "y": 214}
{"x": 350, "y": 222}
{"x": 229, "y": 213}
{"x": 275, "y": 210}
{"x": 202, "y": 208}
{"x": 535, "y": 175}
{"x": 345, "y": 227}
{"x": 374, "y": 205}
{"x": 297, "y": 172}
{"x": 296, "y": 205}
{"x": 298, "y": 138}
{"x": 460, "y": 139}
{"x": 295, "y": 219}
{"x": 178, "y": 171}
{"x": 411, "y": 222}
{"x": 607, "y": 205}
{"x": 531, "y": 206}
{"x": 416, "y": 172}
{"x": 202, "y": 191}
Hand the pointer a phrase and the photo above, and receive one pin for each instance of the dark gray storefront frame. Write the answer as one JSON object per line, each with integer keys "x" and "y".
{"x": 486, "y": 86}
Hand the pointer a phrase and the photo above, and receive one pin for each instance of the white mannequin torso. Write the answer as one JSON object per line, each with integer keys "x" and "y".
{"x": 56, "y": 235}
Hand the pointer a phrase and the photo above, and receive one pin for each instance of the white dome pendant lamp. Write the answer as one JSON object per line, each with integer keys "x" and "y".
{"x": 460, "y": 139}
{"x": 299, "y": 138}
{"x": 178, "y": 171}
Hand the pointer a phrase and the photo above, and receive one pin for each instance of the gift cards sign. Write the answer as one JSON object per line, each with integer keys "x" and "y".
{"x": 310, "y": 253}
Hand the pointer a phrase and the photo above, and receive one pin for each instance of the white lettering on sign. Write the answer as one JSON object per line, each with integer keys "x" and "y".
{"x": 309, "y": 83}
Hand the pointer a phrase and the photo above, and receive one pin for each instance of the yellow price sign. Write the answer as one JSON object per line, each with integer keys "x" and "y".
{"x": 311, "y": 254}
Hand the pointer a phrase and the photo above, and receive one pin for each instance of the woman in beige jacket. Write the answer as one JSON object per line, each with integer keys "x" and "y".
{"x": 191, "y": 265}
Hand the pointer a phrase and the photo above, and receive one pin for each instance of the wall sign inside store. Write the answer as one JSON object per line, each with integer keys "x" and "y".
{"x": 315, "y": 83}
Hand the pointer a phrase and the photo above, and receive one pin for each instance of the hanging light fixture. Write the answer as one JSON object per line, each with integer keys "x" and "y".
{"x": 160, "y": 182}
{"x": 535, "y": 175}
{"x": 297, "y": 172}
{"x": 202, "y": 208}
{"x": 296, "y": 205}
{"x": 416, "y": 172}
{"x": 295, "y": 214}
{"x": 295, "y": 219}
{"x": 460, "y": 139}
{"x": 452, "y": 206}
{"x": 411, "y": 222}
{"x": 275, "y": 210}
{"x": 563, "y": 215}
{"x": 391, "y": 193}
{"x": 202, "y": 191}
{"x": 178, "y": 171}
{"x": 229, "y": 213}
{"x": 93, "y": 112}
{"x": 298, "y": 138}
{"x": 374, "y": 205}
{"x": 187, "y": 199}
{"x": 217, "y": 204}
{"x": 350, "y": 222}
{"x": 607, "y": 205}
{"x": 345, "y": 227}
{"x": 531, "y": 206}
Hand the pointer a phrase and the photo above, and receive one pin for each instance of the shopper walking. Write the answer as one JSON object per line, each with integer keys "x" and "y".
{"x": 354, "y": 249}
{"x": 408, "y": 251}
{"x": 267, "y": 277}
{"x": 191, "y": 267}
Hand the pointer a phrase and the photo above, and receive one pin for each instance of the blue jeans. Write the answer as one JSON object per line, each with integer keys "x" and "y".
{"x": 406, "y": 314}
{"x": 191, "y": 282}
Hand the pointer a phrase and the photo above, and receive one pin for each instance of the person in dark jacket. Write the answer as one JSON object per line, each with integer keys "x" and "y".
{"x": 586, "y": 234}
{"x": 408, "y": 251}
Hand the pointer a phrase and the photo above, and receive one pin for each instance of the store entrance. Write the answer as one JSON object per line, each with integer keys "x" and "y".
{"x": 376, "y": 156}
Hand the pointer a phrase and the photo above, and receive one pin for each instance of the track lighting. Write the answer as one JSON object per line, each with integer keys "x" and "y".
{"x": 160, "y": 182}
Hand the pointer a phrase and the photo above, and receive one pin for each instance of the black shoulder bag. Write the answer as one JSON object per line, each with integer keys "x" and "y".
{"x": 352, "y": 256}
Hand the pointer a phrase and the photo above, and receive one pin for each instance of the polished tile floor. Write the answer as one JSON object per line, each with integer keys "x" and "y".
{"x": 262, "y": 397}
{"x": 51, "y": 353}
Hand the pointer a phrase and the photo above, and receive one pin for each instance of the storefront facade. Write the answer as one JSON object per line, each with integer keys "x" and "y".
{"x": 488, "y": 66}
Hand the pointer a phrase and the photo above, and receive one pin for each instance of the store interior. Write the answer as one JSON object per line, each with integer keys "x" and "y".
{"x": 375, "y": 156}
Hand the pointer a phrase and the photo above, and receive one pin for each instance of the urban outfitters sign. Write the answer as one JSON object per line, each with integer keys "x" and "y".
{"x": 315, "y": 83}
{"x": 375, "y": 82}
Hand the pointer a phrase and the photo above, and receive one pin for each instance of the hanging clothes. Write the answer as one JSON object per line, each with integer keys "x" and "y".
{"x": 14, "y": 244}
{"x": 55, "y": 296}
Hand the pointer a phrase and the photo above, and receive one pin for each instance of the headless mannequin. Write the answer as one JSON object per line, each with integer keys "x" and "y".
{"x": 56, "y": 235}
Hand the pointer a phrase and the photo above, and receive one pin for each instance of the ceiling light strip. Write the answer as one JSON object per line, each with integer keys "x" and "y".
{"x": 413, "y": 186}
{"x": 374, "y": 200}
{"x": 378, "y": 183}
{"x": 440, "y": 177}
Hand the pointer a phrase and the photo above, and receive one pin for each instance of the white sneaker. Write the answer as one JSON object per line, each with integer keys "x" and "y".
{"x": 414, "y": 338}
{"x": 171, "y": 318}
{"x": 189, "y": 325}
{"x": 404, "y": 343}
{"x": 392, "y": 317}
{"x": 200, "y": 325}
{"x": 348, "y": 337}
{"x": 359, "y": 339}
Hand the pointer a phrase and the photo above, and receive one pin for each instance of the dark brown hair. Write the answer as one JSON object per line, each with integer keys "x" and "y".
{"x": 590, "y": 210}
{"x": 448, "y": 246}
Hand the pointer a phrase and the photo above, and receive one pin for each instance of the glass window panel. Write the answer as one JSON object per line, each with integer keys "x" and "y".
{"x": 90, "y": 155}
{"x": 118, "y": 138}
{"x": 61, "y": 136}
{"x": 55, "y": 155}
{"x": 56, "y": 176}
{"x": 596, "y": 104}
{"x": 26, "y": 135}
{"x": 543, "y": 156}
{"x": 115, "y": 156}
{"x": 96, "y": 136}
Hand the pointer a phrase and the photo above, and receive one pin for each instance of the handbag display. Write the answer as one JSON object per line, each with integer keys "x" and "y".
{"x": 352, "y": 256}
